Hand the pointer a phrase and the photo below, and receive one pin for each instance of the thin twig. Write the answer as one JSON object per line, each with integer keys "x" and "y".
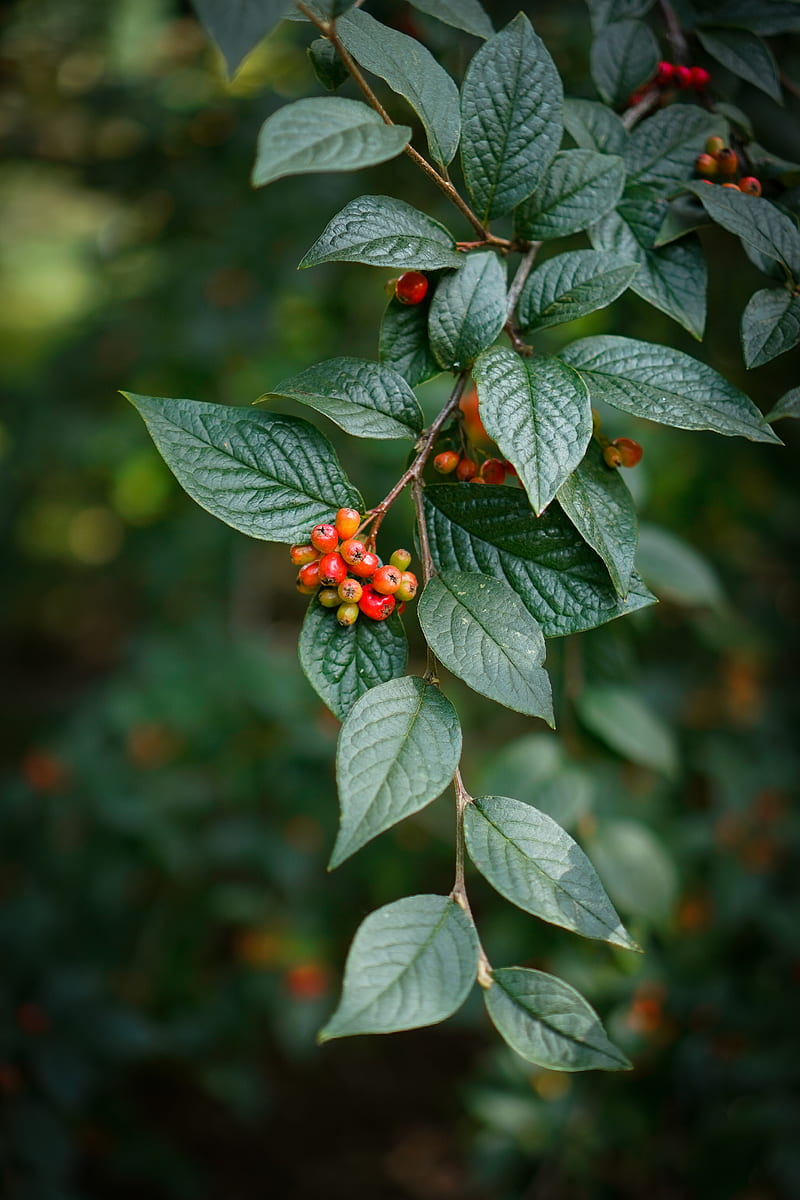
{"x": 459, "y": 892}
{"x": 518, "y": 282}
{"x": 649, "y": 101}
{"x": 675, "y": 34}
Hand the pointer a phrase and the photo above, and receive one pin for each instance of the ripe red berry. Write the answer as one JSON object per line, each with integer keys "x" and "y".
{"x": 350, "y": 590}
{"x": 367, "y": 567}
{"x": 706, "y": 164}
{"x": 700, "y": 78}
{"x": 682, "y": 77}
{"x": 493, "y": 470}
{"x": 332, "y": 570}
{"x": 401, "y": 559}
{"x": 630, "y": 451}
{"x": 612, "y": 455}
{"x": 300, "y": 555}
{"x": 466, "y": 470}
{"x": 408, "y": 587}
{"x": 664, "y": 73}
{"x": 636, "y": 97}
{"x": 727, "y": 161}
{"x": 750, "y": 185}
{"x": 352, "y": 551}
{"x": 446, "y": 462}
{"x": 387, "y": 579}
{"x": 325, "y": 538}
{"x": 347, "y": 522}
{"x": 347, "y": 614}
{"x": 375, "y": 605}
{"x": 308, "y": 575}
{"x": 510, "y": 468}
{"x": 329, "y": 597}
{"x": 411, "y": 287}
{"x": 306, "y": 589}
{"x": 715, "y": 144}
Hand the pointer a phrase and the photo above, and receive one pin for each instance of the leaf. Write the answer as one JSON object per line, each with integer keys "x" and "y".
{"x": 468, "y": 310}
{"x": 547, "y": 1022}
{"x": 593, "y": 126}
{"x": 666, "y": 385}
{"x": 624, "y": 56}
{"x": 578, "y": 187}
{"x": 603, "y": 12}
{"x": 363, "y": 398}
{"x": 597, "y": 501}
{"x": 757, "y": 222}
{"x": 411, "y": 963}
{"x": 671, "y": 278}
{"x": 327, "y": 65}
{"x": 746, "y": 55}
{"x": 766, "y": 17}
{"x": 675, "y": 571}
{"x": 538, "y": 412}
{"x": 404, "y": 342}
{"x": 641, "y": 878}
{"x": 342, "y": 664}
{"x": 384, "y": 232}
{"x": 236, "y": 26}
{"x": 468, "y": 15}
{"x": 511, "y": 118}
{"x": 325, "y": 133}
{"x": 561, "y": 582}
{"x": 770, "y": 325}
{"x": 398, "y": 749}
{"x": 571, "y": 286}
{"x": 411, "y": 71}
{"x": 535, "y": 769}
{"x": 662, "y": 150}
{"x": 620, "y": 718}
{"x": 682, "y": 215}
{"x": 269, "y": 476}
{"x": 787, "y": 406}
{"x": 536, "y": 865}
{"x": 481, "y": 631}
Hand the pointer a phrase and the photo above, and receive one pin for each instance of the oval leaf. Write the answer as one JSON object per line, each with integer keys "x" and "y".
{"x": 547, "y": 1022}
{"x": 384, "y": 232}
{"x": 675, "y": 571}
{"x": 624, "y": 56}
{"x": 404, "y": 342}
{"x": 593, "y": 126}
{"x": 770, "y": 325}
{"x": 538, "y": 412}
{"x": 398, "y": 749}
{"x": 411, "y": 963}
{"x": 578, "y": 188}
{"x": 638, "y": 872}
{"x": 620, "y": 718}
{"x": 571, "y": 286}
{"x": 269, "y": 476}
{"x": 239, "y": 26}
{"x": 468, "y": 310}
{"x": 661, "y": 150}
{"x": 342, "y": 664}
{"x": 463, "y": 14}
{"x": 482, "y": 632}
{"x": 746, "y": 55}
{"x": 597, "y": 501}
{"x": 757, "y": 222}
{"x": 363, "y": 398}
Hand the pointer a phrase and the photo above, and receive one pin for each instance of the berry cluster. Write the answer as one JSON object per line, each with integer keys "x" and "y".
{"x": 346, "y": 575}
{"x": 491, "y": 470}
{"x": 673, "y": 75}
{"x": 720, "y": 160}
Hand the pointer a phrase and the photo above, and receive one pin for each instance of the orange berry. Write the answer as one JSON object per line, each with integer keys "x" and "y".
{"x": 735, "y": 186}
{"x": 612, "y": 455}
{"x": 308, "y": 575}
{"x": 386, "y": 580}
{"x": 493, "y": 470}
{"x": 630, "y": 451}
{"x": 325, "y": 538}
{"x": 307, "y": 981}
{"x": 466, "y": 469}
{"x": 350, "y": 590}
{"x": 408, "y": 587}
{"x": 705, "y": 164}
{"x": 446, "y": 462}
{"x": 727, "y": 161}
{"x": 347, "y": 522}
{"x": 750, "y": 185}
{"x": 367, "y": 567}
{"x": 300, "y": 555}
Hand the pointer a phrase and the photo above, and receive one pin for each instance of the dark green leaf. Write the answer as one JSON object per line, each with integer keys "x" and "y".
{"x": 537, "y": 410}
{"x": 561, "y": 582}
{"x": 328, "y": 66}
{"x": 593, "y": 126}
{"x": 662, "y": 384}
{"x": 411, "y": 963}
{"x": 639, "y": 875}
{"x": 398, "y": 749}
{"x": 536, "y": 865}
{"x": 269, "y": 476}
{"x": 572, "y": 285}
{"x": 756, "y": 221}
{"x": 675, "y": 571}
{"x": 578, "y": 188}
{"x": 534, "y": 768}
{"x": 342, "y": 664}
{"x": 787, "y": 406}
{"x": 468, "y": 310}
{"x": 766, "y": 17}
{"x": 770, "y": 325}
{"x": 597, "y": 501}
{"x": 481, "y": 631}
{"x": 624, "y": 56}
{"x": 662, "y": 150}
{"x": 511, "y": 118}
{"x": 619, "y": 717}
{"x": 603, "y": 12}
{"x": 363, "y": 398}
{"x": 683, "y": 215}
{"x": 324, "y": 134}
{"x": 468, "y": 15}
{"x": 746, "y": 55}
{"x": 236, "y": 26}
{"x": 547, "y": 1022}
{"x": 384, "y": 232}
{"x": 411, "y": 71}
{"x": 404, "y": 342}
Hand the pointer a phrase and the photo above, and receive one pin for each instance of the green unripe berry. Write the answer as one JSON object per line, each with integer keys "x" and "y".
{"x": 400, "y": 559}
{"x": 329, "y": 597}
{"x": 347, "y": 614}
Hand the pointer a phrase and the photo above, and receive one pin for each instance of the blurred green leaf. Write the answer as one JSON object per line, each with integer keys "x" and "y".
{"x": 624, "y": 56}
{"x": 620, "y": 718}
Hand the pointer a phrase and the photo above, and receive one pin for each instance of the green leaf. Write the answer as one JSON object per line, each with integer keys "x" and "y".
{"x": 404, "y": 342}
{"x": 671, "y": 278}
{"x": 662, "y": 384}
{"x": 236, "y": 26}
{"x": 661, "y": 150}
{"x": 468, "y": 15}
{"x": 384, "y": 232}
{"x": 363, "y": 398}
{"x": 675, "y": 571}
{"x": 468, "y": 310}
{"x": 597, "y": 501}
{"x": 624, "y": 56}
{"x": 746, "y": 55}
{"x": 770, "y": 325}
{"x": 641, "y": 878}
{"x": 578, "y": 188}
{"x": 620, "y": 718}
{"x": 561, "y": 582}
{"x": 572, "y": 285}
{"x": 327, "y": 65}
{"x": 757, "y": 222}
{"x": 593, "y": 126}
{"x": 398, "y": 749}
{"x": 481, "y": 631}
{"x": 538, "y": 412}
{"x": 536, "y": 865}
{"x": 547, "y": 1022}
{"x": 411, "y": 71}
{"x": 603, "y": 12}
{"x": 787, "y": 406}
{"x": 511, "y": 118}
{"x": 411, "y": 963}
{"x": 766, "y": 17}
{"x": 326, "y": 133}
{"x": 342, "y": 664}
{"x": 269, "y": 476}
{"x": 534, "y": 768}
{"x": 682, "y": 215}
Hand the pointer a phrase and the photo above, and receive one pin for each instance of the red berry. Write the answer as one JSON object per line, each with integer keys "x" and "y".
{"x": 682, "y": 77}
{"x": 700, "y": 78}
{"x": 367, "y": 567}
{"x": 447, "y": 461}
{"x": 411, "y": 287}
{"x": 375, "y": 605}
{"x": 727, "y": 161}
{"x": 715, "y": 144}
{"x": 735, "y": 186}
{"x": 308, "y": 575}
{"x": 350, "y": 590}
{"x": 636, "y": 97}
{"x": 630, "y": 451}
{"x": 705, "y": 164}
{"x": 325, "y": 538}
{"x": 466, "y": 469}
{"x": 307, "y": 981}
{"x": 306, "y": 589}
{"x": 612, "y": 455}
{"x": 300, "y": 555}
{"x": 408, "y": 587}
{"x": 750, "y": 185}
{"x": 401, "y": 559}
{"x": 347, "y": 614}
{"x": 510, "y": 468}
{"x": 352, "y": 551}
{"x": 387, "y": 579}
{"x": 493, "y": 470}
{"x": 347, "y": 522}
{"x": 332, "y": 570}
{"x": 329, "y": 597}
{"x": 664, "y": 72}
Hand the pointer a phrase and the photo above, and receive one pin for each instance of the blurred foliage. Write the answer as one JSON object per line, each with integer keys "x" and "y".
{"x": 169, "y": 937}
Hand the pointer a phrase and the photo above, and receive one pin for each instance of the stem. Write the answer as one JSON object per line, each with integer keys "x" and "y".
{"x": 514, "y": 292}
{"x": 633, "y": 115}
{"x": 459, "y": 892}
{"x": 675, "y": 34}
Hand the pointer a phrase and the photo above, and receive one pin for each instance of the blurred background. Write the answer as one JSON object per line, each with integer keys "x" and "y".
{"x": 169, "y": 938}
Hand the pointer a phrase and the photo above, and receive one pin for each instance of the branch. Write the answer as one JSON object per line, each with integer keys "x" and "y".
{"x": 459, "y": 892}
{"x": 675, "y": 34}
{"x": 643, "y": 108}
